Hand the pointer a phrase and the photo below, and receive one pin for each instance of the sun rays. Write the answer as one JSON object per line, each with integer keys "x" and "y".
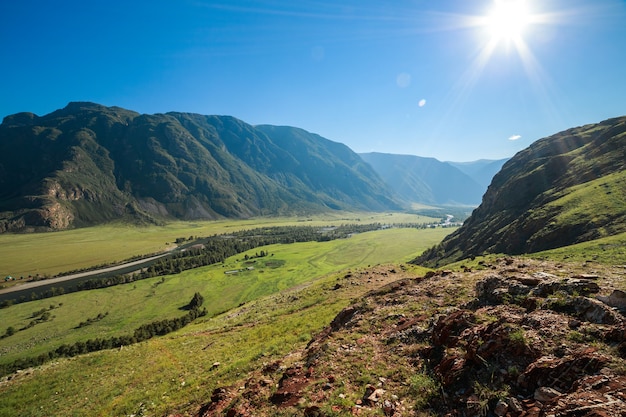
{"x": 507, "y": 20}
{"x": 504, "y": 33}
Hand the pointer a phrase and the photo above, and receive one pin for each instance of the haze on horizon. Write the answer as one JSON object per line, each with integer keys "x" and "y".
{"x": 454, "y": 79}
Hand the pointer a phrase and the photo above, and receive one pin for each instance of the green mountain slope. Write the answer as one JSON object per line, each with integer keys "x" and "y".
{"x": 563, "y": 189}
{"x": 330, "y": 166}
{"x": 88, "y": 163}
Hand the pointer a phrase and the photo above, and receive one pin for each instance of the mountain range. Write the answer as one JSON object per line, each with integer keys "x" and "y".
{"x": 86, "y": 163}
{"x": 564, "y": 189}
{"x": 417, "y": 179}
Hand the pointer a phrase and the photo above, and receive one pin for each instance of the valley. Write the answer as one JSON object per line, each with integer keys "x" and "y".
{"x": 273, "y": 320}
{"x": 116, "y": 311}
{"x": 313, "y": 209}
{"x": 280, "y": 273}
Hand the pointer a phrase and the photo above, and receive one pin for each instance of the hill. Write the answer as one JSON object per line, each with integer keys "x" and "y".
{"x": 563, "y": 189}
{"x": 425, "y": 180}
{"x": 494, "y": 341}
{"x": 87, "y": 164}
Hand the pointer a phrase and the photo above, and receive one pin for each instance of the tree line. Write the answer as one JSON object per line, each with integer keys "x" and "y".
{"x": 216, "y": 249}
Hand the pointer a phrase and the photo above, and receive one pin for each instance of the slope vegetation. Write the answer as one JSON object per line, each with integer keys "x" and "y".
{"x": 563, "y": 189}
{"x": 87, "y": 164}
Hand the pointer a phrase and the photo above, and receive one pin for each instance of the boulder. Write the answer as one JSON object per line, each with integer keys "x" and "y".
{"x": 496, "y": 289}
{"x": 569, "y": 286}
{"x": 448, "y": 328}
{"x": 617, "y": 299}
{"x": 595, "y": 311}
{"x": 561, "y": 373}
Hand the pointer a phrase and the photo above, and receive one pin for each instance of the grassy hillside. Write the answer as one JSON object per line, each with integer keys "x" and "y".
{"x": 155, "y": 376}
{"x": 176, "y": 374}
{"x": 563, "y": 189}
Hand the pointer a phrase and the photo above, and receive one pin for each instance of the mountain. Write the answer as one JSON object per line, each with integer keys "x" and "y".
{"x": 481, "y": 171}
{"x": 425, "y": 180}
{"x": 563, "y": 189}
{"x": 86, "y": 164}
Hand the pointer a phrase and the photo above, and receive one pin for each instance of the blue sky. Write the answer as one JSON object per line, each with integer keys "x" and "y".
{"x": 421, "y": 77}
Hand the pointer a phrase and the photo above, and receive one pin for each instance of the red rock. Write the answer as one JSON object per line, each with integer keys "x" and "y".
{"x": 448, "y": 328}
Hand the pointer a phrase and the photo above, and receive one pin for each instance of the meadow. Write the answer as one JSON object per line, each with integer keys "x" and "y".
{"x": 57, "y": 252}
{"x": 273, "y": 304}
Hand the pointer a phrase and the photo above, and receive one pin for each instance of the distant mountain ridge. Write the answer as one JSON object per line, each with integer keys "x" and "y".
{"x": 563, "y": 189}
{"x": 86, "y": 163}
{"x": 482, "y": 171}
{"x": 429, "y": 181}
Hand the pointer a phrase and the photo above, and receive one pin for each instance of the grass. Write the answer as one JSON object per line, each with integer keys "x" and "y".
{"x": 286, "y": 298}
{"x": 55, "y": 252}
{"x": 588, "y": 202}
{"x": 609, "y": 250}
{"x": 144, "y": 301}
{"x": 422, "y": 388}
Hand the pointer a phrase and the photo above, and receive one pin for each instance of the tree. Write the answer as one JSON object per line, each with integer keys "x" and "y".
{"x": 195, "y": 302}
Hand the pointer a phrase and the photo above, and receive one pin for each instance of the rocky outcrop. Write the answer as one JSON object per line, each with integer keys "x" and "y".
{"x": 529, "y": 341}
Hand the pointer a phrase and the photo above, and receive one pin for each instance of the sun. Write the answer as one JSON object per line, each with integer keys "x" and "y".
{"x": 507, "y": 20}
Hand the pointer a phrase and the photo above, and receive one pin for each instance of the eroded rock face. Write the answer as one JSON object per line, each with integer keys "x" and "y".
{"x": 53, "y": 216}
{"x": 593, "y": 395}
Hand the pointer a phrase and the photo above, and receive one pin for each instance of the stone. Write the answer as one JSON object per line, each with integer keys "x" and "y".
{"x": 617, "y": 299}
{"x": 546, "y": 394}
{"x": 218, "y": 394}
{"x": 501, "y": 408}
{"x": 574, "y": 324}
{"x": 376, "y": 395}
{"x": 494, "y": 289}
{"x": 595, "y": 311}
{"x": 448, "y": 328}
{"x": 529, "y": 281}
{"x": 569, "y": 286}
{"x": 344, "y": 318}
{"x": 544, "y": 275}
{"x": 561, "y": 372}
{"x": 388, "y": 408}
{"x": 586, "y": 276}
{"x": 514, "y": 405}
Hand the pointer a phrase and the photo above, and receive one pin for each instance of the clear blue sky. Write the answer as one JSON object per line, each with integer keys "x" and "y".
{"x": 421, "y": 77}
